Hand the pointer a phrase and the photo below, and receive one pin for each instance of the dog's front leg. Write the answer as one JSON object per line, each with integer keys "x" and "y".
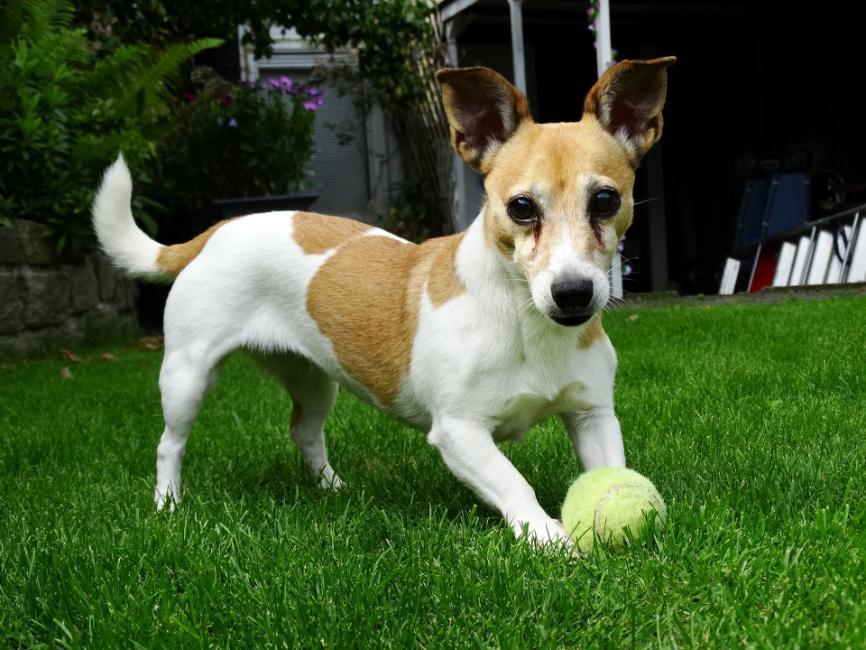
{"x": 596, "y": 436}
{"x": 471, "y": 454}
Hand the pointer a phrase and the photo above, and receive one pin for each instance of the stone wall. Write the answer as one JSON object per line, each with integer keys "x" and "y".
{"x": 47, "y": 304}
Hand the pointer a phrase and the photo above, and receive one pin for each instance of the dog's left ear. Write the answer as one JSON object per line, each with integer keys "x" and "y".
{"x": 484, "y": 109}
{"x": 628, "y": 99}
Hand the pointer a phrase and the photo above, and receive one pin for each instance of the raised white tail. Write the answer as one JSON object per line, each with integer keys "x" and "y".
{"x": 126, "y": 245}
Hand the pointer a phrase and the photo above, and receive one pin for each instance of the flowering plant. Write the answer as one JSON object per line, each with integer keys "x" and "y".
{"x": 237, "y": 140}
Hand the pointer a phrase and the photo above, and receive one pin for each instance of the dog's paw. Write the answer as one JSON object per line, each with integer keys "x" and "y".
{"x": 547, "y": 534}
{"x": 332, "y": 483}
{"x": 165, "y": 497}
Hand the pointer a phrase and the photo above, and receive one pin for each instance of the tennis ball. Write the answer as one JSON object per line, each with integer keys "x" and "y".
{"x": 603, "y": 502}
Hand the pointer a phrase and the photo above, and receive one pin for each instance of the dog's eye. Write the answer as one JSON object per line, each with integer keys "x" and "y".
{"x": 522, "y": 210}
{"x": 605, "y": 203}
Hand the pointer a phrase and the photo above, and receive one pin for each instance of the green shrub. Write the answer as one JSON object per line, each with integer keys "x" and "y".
{"x": 66, "y": 110}
{"x": 236, "y": 140}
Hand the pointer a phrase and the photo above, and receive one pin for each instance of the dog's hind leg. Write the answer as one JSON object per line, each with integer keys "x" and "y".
{"x": 184, "y": 380}
{"x": 313, "y": 395}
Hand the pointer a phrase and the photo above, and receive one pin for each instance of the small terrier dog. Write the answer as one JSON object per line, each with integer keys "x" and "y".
{"x": 472, "y": 338}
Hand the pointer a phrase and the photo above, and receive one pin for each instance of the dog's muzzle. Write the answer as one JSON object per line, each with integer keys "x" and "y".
{"x": 573, "y": 298}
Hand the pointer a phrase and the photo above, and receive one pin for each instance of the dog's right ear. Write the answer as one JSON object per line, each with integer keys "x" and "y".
{"x": 484, "y": 109}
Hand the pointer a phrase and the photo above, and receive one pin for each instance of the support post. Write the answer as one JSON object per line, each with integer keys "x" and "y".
{"x": 458, "y": 171}
{"x": 516, "y": 10}
{"x": 603, "y": 60}
{"x": 603, "y": 47}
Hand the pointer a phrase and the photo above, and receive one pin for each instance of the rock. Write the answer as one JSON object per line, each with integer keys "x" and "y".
{"x": 8, "y": 247}
{"x": 84, "y": 286}
{"x": 11, "y": 307}
{"x": 46, "y": 308}
{"x": 46, "y": 296}
{"x": 73, "y": 330}
{"x": 101, "y": 318}
{"x": 130, "y": 294}
{"x": 22, "y": 344}
{"x": 35, "y": 242}
{"x": 108, "y": 278}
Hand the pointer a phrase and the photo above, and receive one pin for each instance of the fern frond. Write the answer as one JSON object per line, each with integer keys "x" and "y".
{"x": 11, "y": 20}
{"x": 165, "y": 69}
{"x": 46, "y": 17}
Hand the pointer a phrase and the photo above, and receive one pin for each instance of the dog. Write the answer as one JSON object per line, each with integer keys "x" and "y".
{"x": 472, "y": 338}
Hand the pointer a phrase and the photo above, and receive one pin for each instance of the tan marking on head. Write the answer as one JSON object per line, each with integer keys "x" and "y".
{"x": 171, "y": 260}
{"x": 365, "y": 298}
{"x": 318, "y": 233}
{"x": 551, "y": 163}
{"x": 592, "y": 332}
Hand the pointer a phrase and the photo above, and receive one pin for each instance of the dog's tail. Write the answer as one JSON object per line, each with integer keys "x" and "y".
{"x": 126, "y": 245}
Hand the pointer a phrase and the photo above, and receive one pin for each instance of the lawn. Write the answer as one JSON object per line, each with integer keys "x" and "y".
{"x": 751, "y": 420}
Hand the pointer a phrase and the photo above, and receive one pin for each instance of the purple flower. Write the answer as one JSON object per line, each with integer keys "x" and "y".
{"x": 232, "y": 122}
{"x": 284, "y": 83}
{"x": 312, "y": 105}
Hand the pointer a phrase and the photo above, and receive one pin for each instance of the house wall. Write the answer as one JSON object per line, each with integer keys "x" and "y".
{"x": 356, "y": 166}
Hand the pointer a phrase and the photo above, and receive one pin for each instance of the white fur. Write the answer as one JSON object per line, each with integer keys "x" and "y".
{"x": 566, "y": 261}
{"x": 124, "y": 243}
{"x": 485, "y": 365}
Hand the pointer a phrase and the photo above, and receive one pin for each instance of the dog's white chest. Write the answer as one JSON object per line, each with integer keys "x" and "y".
{"x": 522, "y": 412}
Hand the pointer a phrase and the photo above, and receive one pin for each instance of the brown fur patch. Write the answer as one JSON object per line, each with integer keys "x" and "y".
{"x": 365, "y": 299}
{"x": 593, "y": 332}
{"x": 501, "y": 235}
{"x": 443, "y": 283}
{"x": 171, "y": 260}
{"x": 318, "y": 233}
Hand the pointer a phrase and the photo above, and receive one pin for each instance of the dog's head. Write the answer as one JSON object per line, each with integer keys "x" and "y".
{"x": 559, "y": 196}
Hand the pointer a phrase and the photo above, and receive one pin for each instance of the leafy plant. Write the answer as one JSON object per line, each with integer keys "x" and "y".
{"x": 66, "y": 111}
{"x": 397, "y": 45}
{"x": 234, "y": 140}
{"x": 410, "y": 212}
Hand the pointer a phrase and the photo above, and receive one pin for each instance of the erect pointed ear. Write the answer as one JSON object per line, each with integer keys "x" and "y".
{"x": 627, "y": 100}
{"x": 483, "y": 109}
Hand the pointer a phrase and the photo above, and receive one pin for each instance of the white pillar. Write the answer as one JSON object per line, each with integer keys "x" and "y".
{"x": 603, "y": 48}
{"x": 603, "y": 60}
{"x": 516, "y": 9}
{"x": 458, "y": 206}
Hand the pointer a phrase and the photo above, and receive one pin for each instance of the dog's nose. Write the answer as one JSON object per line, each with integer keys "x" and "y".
{"x": 572, "y": 294}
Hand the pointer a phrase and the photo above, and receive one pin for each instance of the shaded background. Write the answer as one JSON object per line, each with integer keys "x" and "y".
{"x": 757, "y": 84}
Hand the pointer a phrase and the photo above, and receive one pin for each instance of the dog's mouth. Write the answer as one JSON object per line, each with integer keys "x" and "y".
{"x": 572, "y": 319}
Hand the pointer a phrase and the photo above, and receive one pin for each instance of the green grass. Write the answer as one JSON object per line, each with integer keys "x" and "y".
{"x": 749, "y": 419}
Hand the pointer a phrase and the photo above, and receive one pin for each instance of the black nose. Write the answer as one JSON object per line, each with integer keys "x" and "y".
{"x": 572, "y": 293}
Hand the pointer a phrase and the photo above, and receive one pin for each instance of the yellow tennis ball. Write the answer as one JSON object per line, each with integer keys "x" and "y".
{"x": 603, "y": 502}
